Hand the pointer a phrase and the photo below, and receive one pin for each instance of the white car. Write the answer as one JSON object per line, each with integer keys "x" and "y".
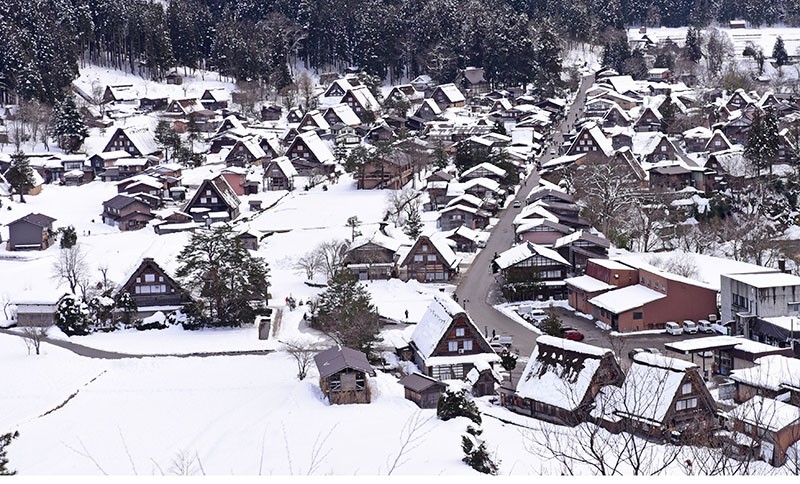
{"x": 705, "y": 326}
{"x": 673, "y": 328}
{"x": 689, "y": 327}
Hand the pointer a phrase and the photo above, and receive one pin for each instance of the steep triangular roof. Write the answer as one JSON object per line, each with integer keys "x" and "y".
{"x": 437, "y": 320}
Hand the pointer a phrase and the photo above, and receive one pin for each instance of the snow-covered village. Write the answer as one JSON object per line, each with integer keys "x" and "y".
{"x": 396, "y": 237}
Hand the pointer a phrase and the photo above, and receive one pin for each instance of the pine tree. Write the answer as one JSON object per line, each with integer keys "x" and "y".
{"x": 476, "y": 455}
{"x": 69, "y": 237}
{"x": 216, "y": 266}
{"x": 551, "y": 325}
{"x": 167, "y": 138}
{"x": 763, "y": 140}
{"x": 779, "y": 53}
{"x": 69, "y": 128}
{"x": 668, "y": 112}
{"x": 693, "y": 50}
{"x": 413, "y": 227}
{"x": 440, "y": 156}
{"x": 455, "y": 404}
{"x": 20, "y": 175}
{"x": 344, "y": 311}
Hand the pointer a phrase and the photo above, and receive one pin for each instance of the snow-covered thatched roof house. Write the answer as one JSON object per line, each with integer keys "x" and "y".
{"x": 447, "y": 344}
{"x": 562, "y": 378}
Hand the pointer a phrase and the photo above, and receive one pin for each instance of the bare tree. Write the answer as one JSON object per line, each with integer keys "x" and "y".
{"x": 33, "y": 336}
{"x": 305, "y": 86}
{"x": 396, "y": 201}
{"x": 353, "y": 222}
{"x": 71, "y": 267}
{"x": 606, "y": 191}
{"x": 303, "y": 352}
{"x": 717, "y": 49}
{"x": 310, "y": 263}
{"x": 8, "y": 308}
{"x": 332, "y": 254}
{"x": 410, "y": 437}
{"x": 680, "y": 264}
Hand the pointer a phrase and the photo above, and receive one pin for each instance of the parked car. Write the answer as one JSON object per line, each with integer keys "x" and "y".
{"x": 689, "y": 327}
{"x": 635, "y": 351}
{"x": 535, "y": 316}
{"x": 705, "y": 326}
{"x": 500, "y": 343}
{"x": 572, "y": 334}
{"x": 517, "y": 204}
{"x": 673, "y": 328}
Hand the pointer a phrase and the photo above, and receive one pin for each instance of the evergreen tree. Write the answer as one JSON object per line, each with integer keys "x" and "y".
{"x": 5, "y": 441}
{"x": 20, "y": 175}
{"x": 69, "y": 237}
{"x": 547, "y": 55}
{"x": 455, "y": 404}
{"x": 69, "y": 128}
{"x": 763, "y": 140}
{"x": 779, "y": 53}
{"x": 216, "y": 266}
{"x": 413, "y": 227}
{"x": 440, "y": 156}
{"x": 476, "y": 455}
{"x": 499, "y": 128}
{"x": 344, "y": 311}
{"x": 339, "y": 151}
{"x": 551, "y": 325}
{"x": 668, "y": 112}
{"x": 126, "y": 307}
{"x": 73, "y": 316}
{"x": 693, "y": 51}
{"x": 508, "y": 361}
{"x": 167, "y": 138}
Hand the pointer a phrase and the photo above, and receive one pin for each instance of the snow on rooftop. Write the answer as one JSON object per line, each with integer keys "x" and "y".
{"x": 588, "y": 284}
{"x": 525, "y": 251}
{"x": 620, "y": 300}
{"x": 770, "y": 372}
{"x": 767, "y": 279}
{"x": 767, "y": 413}
{"x": 434, "y": 323}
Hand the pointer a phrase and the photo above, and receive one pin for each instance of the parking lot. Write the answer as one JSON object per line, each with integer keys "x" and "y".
{"x": 623, "y": 344}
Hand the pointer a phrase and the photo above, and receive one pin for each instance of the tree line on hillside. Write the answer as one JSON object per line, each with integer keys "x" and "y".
{"x": 516, "y": 41}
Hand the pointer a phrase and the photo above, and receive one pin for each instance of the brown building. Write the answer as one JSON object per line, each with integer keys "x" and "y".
{"x": 343, "y": 375}
{"x": 561, "y": 380}
{"x": 601, "y": 276}
{"x": 126, "y": 213}
{"x": 423, "y": 390}
{"x": 773, "y": 425}
{"x": 661, "y": 398}
{"x": 429, "y": 260}
{"x": 446, "y": 344}
{"x": 658, "y": 297}
{"x": 153, "y": 289}
{"x": 372, "y": 257}
{"x": 392, "y": 172}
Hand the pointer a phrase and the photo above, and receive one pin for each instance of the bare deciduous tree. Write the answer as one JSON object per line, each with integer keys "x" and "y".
{"x": 411, "y": 436}
{"x": 310, "y": 263}
{"x": 680, "y": 264}
{"x": 396, "y": 202}
{"x": 303, "y": 352}
{"x": 33, "y": 336}
{"x": 71, "y": 267}
{"x": 331, "y": 254}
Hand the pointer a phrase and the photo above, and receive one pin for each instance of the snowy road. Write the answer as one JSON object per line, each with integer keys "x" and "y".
{"x": 477, "y": 291}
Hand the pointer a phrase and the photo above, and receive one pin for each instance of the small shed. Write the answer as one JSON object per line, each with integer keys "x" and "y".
{"x": 36, "y": 313}
{"x": 423, "y": 390}
{"x": 174, "y": 78}
{"x": 343, "y": 375}
{"x": 33, "y": 231}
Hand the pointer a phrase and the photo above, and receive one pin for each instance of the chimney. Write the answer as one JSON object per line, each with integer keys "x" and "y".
{"x": 782, "y": 265}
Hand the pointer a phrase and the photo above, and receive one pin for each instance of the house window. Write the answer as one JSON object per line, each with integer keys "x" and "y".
{"x": 424, "y": 247}
{"x": 686, "y": 389}
{"x": 418, "y": 258}
{"x": 452, "y": 346}
{"x": 686, "y": 404}
{"x": 663, "y": 149}
{"x": 149, "y": 278}
{"x": 637, "y": 315}
{"x": 794, "y": 307}
{"x": 748, "y": 428}
{"x": 459, "y": 332}
{"x": 431, "y": 258}
{"x": 467, "y": 345}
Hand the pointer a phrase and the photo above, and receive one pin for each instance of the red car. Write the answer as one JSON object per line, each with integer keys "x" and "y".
{"x": 573, "y": 334}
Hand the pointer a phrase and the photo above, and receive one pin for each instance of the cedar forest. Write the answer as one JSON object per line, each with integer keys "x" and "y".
{"x": 514, "y": 40}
